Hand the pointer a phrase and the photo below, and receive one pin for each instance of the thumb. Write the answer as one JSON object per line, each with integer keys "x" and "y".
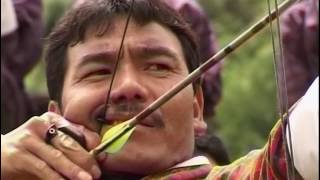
{"x": 86, "y": 138}
{"x": 53, "y": 106}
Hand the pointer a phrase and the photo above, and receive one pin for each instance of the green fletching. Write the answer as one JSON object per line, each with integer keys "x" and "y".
{"x": 117, "y": 136}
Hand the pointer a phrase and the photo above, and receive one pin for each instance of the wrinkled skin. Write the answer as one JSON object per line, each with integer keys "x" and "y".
{"x": 25, "y": 154}
{"x": 151, "y": 63}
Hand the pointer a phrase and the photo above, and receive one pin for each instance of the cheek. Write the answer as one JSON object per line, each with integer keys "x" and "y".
{"x": 180, "y": 117}
{"x": 181, "y": 106}
{"x": 179, "y": 109}
{"x": 78, "y": 105}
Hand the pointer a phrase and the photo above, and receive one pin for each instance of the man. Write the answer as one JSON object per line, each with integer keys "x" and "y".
{"x": 211, "y": 80}
{"x": 158, "y": 52}
{"x": 208, "y": 46}
{"x": 209, "y": 143}
{"x": 270, "y": 161}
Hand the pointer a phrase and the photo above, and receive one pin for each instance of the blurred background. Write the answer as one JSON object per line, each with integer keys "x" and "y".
{"x": 248, "y": 108}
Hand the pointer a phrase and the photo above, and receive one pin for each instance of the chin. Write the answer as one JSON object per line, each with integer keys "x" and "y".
{"x": 142, "y": 161}
{"x": 141, "y": 164}
{"x": 133, "y": 165}
{"x": 147, "y": 153}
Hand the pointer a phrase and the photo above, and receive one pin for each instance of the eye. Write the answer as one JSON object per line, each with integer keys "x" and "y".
{"x": 158, "y": 67}
{"x": 102, "y": 72}
{"x": 99, "y": 72}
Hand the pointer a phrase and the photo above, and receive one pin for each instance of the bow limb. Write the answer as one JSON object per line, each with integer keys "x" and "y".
{"x": 118, "y": 59}
{"x": 117, "y": 136}
{"x": 282, "y": 96}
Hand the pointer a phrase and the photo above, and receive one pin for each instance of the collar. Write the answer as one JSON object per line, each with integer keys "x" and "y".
{"x": 195, "y": 161}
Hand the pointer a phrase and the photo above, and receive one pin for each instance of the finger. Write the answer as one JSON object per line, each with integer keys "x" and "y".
{"x": 76, "y": 153}
{"x": 85, "y": 137}
{"x": 101, "y": 157}
{"x": 92, "y": 138}
{"x": 21, "y": 164}
{"x": 40, "y": 124}
{"x": 65, "y": 126}
{"x": 53, "y": 106}
{"x": 74, "y": 134}
{"x": 56, "y": 159}
{"x": 68, "y": 146}
{"x": 34, "y": 166}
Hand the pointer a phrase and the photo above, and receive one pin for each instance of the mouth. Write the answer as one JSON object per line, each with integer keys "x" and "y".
{"x": 114, "y": 117}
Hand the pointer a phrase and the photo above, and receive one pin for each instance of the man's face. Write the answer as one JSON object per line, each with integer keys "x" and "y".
{"x": 151, "y": 63}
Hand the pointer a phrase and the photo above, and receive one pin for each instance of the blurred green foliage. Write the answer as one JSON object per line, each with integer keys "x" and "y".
{"x": 247, "y": 110}
{"x": 52, "y": 10}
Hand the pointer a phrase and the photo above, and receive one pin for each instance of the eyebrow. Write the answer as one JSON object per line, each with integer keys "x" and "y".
{"x": 148, "y": 51}
{"x": 99, "y": 57}
{"x": 107, "y": 56}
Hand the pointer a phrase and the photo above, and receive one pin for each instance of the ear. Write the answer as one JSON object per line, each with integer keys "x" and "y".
{"x": 53, "y": 106}
{"x": 200, "y": 126}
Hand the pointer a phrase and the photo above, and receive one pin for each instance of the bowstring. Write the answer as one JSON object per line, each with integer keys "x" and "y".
{"x": 282, "y": 93}
{"x": 118, "y": 59}
{"x": 282, "y": 107}
{"x": 285, "y": 96}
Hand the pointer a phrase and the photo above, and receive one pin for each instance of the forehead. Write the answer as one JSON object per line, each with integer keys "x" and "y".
{"x": 149, "y": 34}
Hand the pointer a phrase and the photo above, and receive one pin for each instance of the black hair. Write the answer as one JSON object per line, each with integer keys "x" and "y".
{"x": 71, "y": 29}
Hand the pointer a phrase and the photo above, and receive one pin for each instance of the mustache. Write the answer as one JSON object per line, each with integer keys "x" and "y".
{"x": 131, "y": 108}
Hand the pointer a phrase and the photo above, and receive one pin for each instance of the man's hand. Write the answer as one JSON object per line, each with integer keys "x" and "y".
{"x": 26, "y": 155}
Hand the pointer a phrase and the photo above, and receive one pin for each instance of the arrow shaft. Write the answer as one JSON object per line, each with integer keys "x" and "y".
{"x": 228, "y": 49}
{"x": 236, "y": 43}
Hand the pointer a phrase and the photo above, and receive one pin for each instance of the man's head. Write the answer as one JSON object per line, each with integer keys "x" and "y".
{"x": 158, "y": 52}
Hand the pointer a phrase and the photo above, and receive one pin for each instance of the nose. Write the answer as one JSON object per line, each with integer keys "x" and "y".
{"x": 128, "y": 87}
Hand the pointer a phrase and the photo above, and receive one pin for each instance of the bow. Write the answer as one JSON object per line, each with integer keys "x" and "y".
{"x": 117, "y": 136}
{"x": 282, "y": 96}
